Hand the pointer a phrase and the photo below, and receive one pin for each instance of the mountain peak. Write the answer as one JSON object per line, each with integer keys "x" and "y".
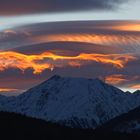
{"x": 136, "y": 92}
{"x": 56, "y": 77}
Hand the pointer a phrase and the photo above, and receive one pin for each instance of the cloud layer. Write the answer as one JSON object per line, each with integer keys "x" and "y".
{"x": 16, "y": 7}
{"x": 109, "y": 50}
{"x": 48, "y": 60}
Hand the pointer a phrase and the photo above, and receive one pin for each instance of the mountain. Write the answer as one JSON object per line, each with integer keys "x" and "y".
{"x": 128, "y": 123}
{"x": 74, "y": 102}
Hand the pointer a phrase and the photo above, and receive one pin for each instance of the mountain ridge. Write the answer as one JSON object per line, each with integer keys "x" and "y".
{"x": 74, "y": 102}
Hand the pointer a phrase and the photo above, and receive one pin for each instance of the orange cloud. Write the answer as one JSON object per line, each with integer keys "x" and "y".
{"x": 127, "y": 27}
{"x": 119, "y": 79}
{"x": 48, "y": 60}
{"x": 115, "y": 79}
{"x": 90, "y": 38}
{"x": 7, "y": 90}
{"x": 136, "y": 86}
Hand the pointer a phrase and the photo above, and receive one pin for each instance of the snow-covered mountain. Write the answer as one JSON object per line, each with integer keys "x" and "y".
{"x": 75, "y": 102}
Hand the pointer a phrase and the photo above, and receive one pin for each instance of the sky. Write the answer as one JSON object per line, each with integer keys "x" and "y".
{"x": 78, "y": 38}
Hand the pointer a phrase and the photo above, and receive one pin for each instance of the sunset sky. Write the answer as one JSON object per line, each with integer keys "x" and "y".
{"x": 78, "y": 38}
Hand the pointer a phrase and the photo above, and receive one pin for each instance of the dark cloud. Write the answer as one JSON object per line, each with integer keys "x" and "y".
{"x": 15, "y": 7}
{"x": 67, "y": 48}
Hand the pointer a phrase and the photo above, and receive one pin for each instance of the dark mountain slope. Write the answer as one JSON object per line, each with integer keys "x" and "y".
{"x": 14, "y": 126}
{"x": 126, "y": 123}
